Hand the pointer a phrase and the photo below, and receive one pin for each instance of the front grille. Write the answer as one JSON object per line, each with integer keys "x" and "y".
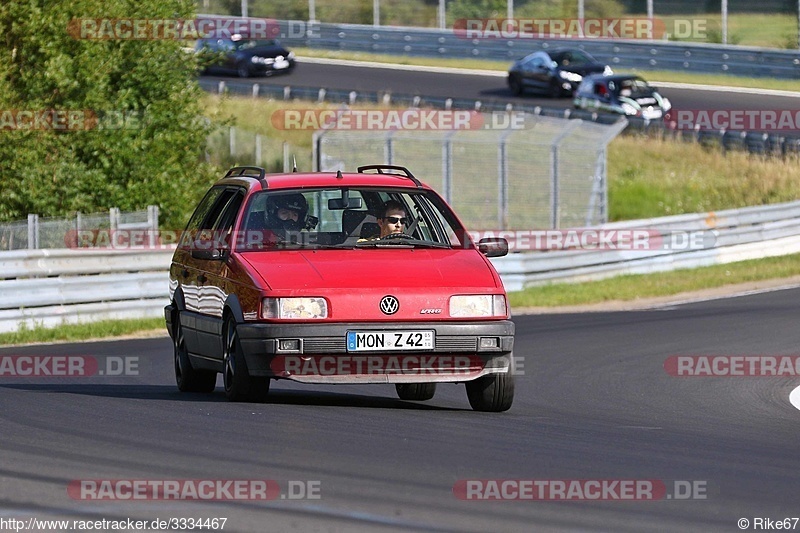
{"x": 325, "y": 345}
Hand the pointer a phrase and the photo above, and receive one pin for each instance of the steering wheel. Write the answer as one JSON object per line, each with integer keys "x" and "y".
{"x": 396, "y": 236}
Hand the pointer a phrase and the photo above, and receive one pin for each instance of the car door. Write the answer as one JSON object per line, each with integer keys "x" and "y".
{"x": 213, "y": 275}
{"x": 534, "y": 71}
{"x": 210, "y": 262}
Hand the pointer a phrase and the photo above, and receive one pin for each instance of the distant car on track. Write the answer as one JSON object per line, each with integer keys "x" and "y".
{"x": 623, "y": 94}
{"x": 243, "y": 56}
{"x": 556, "y": 72}
{"x": 325, "y": 300}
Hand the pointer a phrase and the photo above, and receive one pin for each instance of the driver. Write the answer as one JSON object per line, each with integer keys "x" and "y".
{"x": 286, "y": 213}
{"x": 392, "y": 219}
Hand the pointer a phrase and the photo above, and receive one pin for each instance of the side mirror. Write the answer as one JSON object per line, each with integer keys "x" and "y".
{"x": 493, "y": 246}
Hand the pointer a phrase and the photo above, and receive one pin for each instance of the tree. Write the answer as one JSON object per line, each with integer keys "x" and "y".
{"x": 134, "y": 134}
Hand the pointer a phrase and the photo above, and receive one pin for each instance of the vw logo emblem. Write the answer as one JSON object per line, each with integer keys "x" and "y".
{"x": 389, "y": 305}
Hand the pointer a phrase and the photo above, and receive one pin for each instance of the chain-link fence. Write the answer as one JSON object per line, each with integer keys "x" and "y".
{"x": 550, "y": 173}
{"x": 231, "y": 146}
{"x": 92, "y": 230}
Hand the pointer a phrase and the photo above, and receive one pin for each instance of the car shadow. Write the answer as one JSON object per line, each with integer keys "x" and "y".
{"x": 276, "y": 397}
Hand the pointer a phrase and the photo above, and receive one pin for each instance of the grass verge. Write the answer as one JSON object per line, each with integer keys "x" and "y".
{"x": 633, "y": 287}
{"x": 83, "y": 331}
{"x": 653, "y": 76}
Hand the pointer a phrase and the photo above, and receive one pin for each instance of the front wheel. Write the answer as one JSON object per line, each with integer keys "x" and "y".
{"x": 187, "y": 378}
{"x": 243, "y": 70}
{"x": 239, "y": 385}
{"x": 415, "y": 392}
{"x": 515, "y": 84}
{"x": 492, "y": 393}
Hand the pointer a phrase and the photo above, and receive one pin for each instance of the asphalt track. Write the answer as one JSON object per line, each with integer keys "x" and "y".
{"x": 486, "y": 88}
{"x": 594, "y": 402}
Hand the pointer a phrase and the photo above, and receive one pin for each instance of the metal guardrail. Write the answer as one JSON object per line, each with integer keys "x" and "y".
{"x": 738, "y": 234}
{"x": 51, "y": 287}
{"x": 661, "y": 55}
{"x": 753, "y": 142}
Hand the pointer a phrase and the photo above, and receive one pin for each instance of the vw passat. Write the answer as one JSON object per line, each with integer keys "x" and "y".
{"x": 331, "y": 277}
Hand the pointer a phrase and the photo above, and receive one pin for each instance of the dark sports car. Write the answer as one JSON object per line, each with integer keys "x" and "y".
{"x": 244, "y": 56}
{"x": 623, "y": 94}
{"x": 556, "y": 72}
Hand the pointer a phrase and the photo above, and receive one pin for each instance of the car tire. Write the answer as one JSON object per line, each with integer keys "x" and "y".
{"x": 555, "y": 88}
{"x": 515, "y": 84}
{"x": 187, "y": 378}
{"x": 491, "y": 393}
{"x": 243, "y": 70}
{"x": 235, "y": 376}
{"x": 415, "y": 392}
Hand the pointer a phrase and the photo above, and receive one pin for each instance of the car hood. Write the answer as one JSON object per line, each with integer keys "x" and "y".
{"x": 354, "y": 282}
{"x": 400, "y": 268}
{"x": 585, "y": 70}
{"x": 266, "y": 51}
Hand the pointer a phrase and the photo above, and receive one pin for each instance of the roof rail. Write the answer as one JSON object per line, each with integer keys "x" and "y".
{"x": 381, "y": 168}
{"x": 248, "y": 172}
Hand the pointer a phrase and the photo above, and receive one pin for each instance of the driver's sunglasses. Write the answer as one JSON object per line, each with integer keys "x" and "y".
{"x": 395, "y": 220}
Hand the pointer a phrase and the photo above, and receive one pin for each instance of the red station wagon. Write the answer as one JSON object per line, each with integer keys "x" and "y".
{"x": 286, "y": 276}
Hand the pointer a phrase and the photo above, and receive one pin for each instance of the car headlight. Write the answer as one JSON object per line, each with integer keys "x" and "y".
{"x": 478, "y": 305}
{"x": 666, "y": 105}
{"x": 290, "y": 55}
{"x": 607, "y": 71}
{"x": 294, "y": 308}
{"x": 628, "y": 109}
{"x": 570, "y": 76}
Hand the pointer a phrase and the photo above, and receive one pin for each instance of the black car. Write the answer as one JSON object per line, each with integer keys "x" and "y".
{"x": 557, "y": 72}
{"x": 625, "y": 94}
{"x": 244, "y": 56}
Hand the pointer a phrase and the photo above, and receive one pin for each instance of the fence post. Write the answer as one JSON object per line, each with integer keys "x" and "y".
{"x": 113, "y": 218}
{"x": 258, "y": 149}
{"x": 447, "y": 166}
{"x": 152, "y": 224}
{"x": 388, "y": 154}
{"x": 502, "y": 180}
{"x": 232, "y": 141}
{"x": 286, "y": 164}
{"x": 33, "y": 232}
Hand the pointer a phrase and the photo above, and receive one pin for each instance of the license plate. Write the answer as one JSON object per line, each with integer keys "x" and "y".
{"x": 362, "y": 341}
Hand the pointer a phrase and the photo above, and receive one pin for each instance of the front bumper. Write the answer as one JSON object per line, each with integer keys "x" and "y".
{"x": 321, "y": 354}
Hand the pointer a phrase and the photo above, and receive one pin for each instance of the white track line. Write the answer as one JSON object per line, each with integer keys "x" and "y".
{"x": 503, "y": 74}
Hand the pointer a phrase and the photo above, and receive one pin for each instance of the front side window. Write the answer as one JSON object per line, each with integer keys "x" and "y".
{"x": 348, "y": 218}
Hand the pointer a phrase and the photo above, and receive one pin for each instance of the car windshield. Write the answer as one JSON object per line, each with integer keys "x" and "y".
{"x": 347, "y": 218}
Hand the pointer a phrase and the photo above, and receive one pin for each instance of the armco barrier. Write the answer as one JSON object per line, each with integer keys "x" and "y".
{"x": 660, "y": 55}
{"x": 51, "y": 287}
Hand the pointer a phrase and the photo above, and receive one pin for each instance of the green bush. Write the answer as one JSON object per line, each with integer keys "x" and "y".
{"x": 153, "y": 156}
